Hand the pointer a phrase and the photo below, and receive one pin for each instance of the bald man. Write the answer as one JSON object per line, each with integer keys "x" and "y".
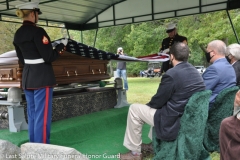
{"x": 220, "y": 74}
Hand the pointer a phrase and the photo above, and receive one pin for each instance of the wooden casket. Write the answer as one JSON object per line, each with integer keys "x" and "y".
{"x": 71, "y": 68}
{"x": 78, "y": 64}
{"x": 68, "y": 68}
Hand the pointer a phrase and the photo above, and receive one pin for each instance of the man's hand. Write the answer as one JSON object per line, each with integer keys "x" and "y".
{"x": 64, "y": 41}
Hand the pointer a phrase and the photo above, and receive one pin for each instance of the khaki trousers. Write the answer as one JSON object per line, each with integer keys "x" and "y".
{"x": 138, "y": 114}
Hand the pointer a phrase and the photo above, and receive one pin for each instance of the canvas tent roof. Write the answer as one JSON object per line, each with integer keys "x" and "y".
{"x": 93, "y": 14}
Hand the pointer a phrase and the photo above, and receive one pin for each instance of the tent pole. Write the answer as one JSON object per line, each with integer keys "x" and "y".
{"x": 232, "y": 26}
{"x": 82, "y": 36}
{"x": 68, "y": 33}
{"x": 95, "y": 37}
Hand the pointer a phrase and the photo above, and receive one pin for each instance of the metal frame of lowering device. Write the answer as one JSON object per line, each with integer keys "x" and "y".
{"x": 121, "y": 93}
{"x": 15, "y": 115}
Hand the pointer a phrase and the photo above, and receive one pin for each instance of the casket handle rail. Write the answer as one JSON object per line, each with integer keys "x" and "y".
{"x": 8, "y": 78}
{"x": 98, "y": 71}
{"x": 75, "y": 72}
{"x": 19, "y": 73}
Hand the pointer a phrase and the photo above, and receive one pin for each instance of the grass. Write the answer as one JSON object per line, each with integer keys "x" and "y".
{"x": 141, "y": 90}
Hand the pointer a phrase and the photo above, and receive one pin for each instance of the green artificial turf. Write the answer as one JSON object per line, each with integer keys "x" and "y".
{"x": 97, "y": 135}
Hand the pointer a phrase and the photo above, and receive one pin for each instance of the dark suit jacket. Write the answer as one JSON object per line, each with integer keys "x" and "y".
{"x": 236, "y": 67}
{"x": 178, "y": 84}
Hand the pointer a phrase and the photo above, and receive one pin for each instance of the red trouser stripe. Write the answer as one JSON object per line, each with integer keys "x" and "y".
{"x": 45, "y": 118}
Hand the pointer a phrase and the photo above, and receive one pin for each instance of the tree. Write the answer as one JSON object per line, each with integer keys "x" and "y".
{"x": 7, "y": 35}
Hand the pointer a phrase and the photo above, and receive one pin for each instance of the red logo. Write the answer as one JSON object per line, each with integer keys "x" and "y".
{"x": 45, "y": 40}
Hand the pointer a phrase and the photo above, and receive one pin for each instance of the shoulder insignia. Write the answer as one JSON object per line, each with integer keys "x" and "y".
{"x": 45, "y": 40}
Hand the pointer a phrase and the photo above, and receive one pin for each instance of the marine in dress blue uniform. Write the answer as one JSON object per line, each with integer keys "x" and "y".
{"x": 35, "y": 52}
{"x": 173, "y": 36}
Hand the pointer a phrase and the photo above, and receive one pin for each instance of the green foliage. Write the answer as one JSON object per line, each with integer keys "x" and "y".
{"x": 144, "y": 38}
{"x": 54, "y": 33}
{"x": 7, "y": 35}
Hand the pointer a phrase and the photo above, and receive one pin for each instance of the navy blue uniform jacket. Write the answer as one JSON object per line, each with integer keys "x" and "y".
{"x": 167, "y": 43}
{"x": 32, "y": 42}
{"x": 178, "y": 84}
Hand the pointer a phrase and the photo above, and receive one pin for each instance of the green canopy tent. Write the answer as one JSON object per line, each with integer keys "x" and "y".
{"x": 93, "y": 14}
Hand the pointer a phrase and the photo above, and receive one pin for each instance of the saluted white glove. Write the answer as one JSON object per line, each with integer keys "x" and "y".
{"x": 64, "y": 41}
{"x": 166, "y": 51}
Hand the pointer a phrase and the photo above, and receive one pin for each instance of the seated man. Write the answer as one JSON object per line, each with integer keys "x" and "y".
{"x": 220, "y": 74}
{"x": 229, "y": 139}
{"x": 166, "y": 107}
{"x": 233, "y": 57}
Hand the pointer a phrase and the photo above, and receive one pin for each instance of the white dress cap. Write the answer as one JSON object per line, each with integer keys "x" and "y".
{"x": 120, "y": 48}
{"x": 170, "y": 27}
{"x": 28, "y": 5}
